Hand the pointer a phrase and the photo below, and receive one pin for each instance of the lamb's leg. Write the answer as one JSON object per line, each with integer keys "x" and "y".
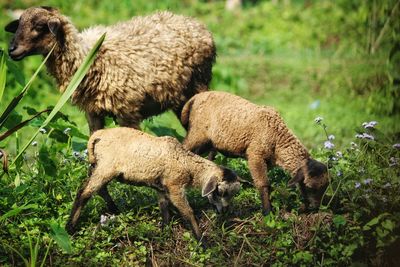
{"x": 96, "y": 122}
{"x": 212, "y": 154}
{"x": 258, "y": 170}
{"x": 92, "y": 185}
{"x": 178, "y": 199}
{"x": 163, "y": 202}
{"x": 196, "y": 145}
{"x": 103, "y": 192}
{"x": 128, "y": 122}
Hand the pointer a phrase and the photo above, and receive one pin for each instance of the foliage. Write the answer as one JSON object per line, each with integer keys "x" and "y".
{"x": 335, "y": 59}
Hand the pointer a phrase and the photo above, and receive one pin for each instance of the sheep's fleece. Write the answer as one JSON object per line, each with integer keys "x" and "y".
{"x": 145, "y": 65}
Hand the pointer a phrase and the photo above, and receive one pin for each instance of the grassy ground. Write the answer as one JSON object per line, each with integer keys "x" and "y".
{"x": 307, "y": 60}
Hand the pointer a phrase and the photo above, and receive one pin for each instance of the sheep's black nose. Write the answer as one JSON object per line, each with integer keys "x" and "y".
{"x": 11, "y": 48}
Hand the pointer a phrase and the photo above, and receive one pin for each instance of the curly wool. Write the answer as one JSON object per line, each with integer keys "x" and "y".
{"x": 144, "y": 66}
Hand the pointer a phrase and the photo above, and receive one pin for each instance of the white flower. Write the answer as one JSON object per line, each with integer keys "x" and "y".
{"x": 43, "y": 130}
{"x": 369, "y": 125}
{"x": 331, "y": 137}
{"x": 34, "y": 143}
{"x": 396, "y": 146}
{"x": 339, "y": 154}
{"x": 318, "y": 120}
{"x": 357, "y": 185}
{"x": 367, "y": 181}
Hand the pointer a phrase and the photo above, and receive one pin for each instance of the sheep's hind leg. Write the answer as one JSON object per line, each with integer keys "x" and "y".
{"x": 258, "y": 170}
{"x": 112, "y": 208}
{"x": 92, "y": 185}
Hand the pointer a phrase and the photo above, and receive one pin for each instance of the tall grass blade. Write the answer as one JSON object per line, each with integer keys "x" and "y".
{"x": 18, "y": 98}
{"x": 75, "y": 81}
{"x": 3, "y": 74}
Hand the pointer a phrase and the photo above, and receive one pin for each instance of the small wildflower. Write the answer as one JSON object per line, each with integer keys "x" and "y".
{"x": 393, "y": 161}
{"x": 318, "y": 120}
{"x": 367, "y": 181}
{"x": 329, "y": 145}
{"x": 34, "y": 143}
{"x": 103, "y": 219}
{"x": 353, "y": 145}
{"x": 397, "y": 146}
{"x": 76, "y": 154}
{"x": 339, "y": 154}
{"x": 85, "y": 152}
{"x": 339, "y": 173}
{"x": 67, "y": 130}
{"x": 387, "y": 185}
{"x": 357, "y": 185}
{"x": 365, "y": 136}
{"x": 384, "y": 199}
{"x": 43, "y": 130}
{"x": 369, "y": 125}
{"x": 333, "y": 158}
{"x": 331, "y": 137}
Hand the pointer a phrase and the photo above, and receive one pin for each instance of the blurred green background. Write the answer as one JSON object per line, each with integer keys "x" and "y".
{"x": 335, "y": 59}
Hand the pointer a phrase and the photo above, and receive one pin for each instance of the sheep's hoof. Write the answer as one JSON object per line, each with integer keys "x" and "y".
{"x": 70, "y": 228}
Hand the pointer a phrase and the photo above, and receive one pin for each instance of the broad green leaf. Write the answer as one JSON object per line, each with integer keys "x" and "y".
{"x": 17, "y": 210}
{"x": 339, "y": 220}
{"x": 61, "y": 237}
{"x": 18, "y": 98}
{"x": 47, "y": 162}
{"x": 374, "y": 221}
{"x": 75, "y": 81}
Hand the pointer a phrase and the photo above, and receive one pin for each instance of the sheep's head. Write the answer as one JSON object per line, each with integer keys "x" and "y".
{"x": 313, "y": 181}
{"x": 35, "y": 32}
{"x": 221, "y": 191}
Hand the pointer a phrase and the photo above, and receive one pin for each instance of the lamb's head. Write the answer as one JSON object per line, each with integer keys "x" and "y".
{"x": 313, "y": 181}
{"x": 220, "y": 190}
{"x": 35, "y": 32}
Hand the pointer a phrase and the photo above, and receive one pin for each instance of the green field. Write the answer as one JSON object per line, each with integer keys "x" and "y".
{"x": 339, "y": 60}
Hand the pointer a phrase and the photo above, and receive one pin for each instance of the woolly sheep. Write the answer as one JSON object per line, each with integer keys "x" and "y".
{"x": 162, "y": 163}
{"x": 145, "y": 65}
{"x": 236, "y": 127}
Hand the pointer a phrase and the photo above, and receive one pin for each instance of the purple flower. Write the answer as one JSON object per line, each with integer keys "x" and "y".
{"x": 318, "y": 120}
{"x": 396, "y": 146}
{"x": 369, "y": 125}
{"x": 365, "y": 136}
{"x": 357, "y": 185}
{"x": 367, "y": 181}
{"x": 329, "y": 145}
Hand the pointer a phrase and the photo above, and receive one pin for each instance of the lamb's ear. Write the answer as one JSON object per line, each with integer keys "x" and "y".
{"x": 209, "y": 187}
{"x": 297, "y": 178}
{"x": 12, "y": 26}
{"x": 54, "y": 25}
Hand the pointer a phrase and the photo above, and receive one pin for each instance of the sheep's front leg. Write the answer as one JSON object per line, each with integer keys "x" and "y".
{"x": 258, "y": 170}
{"x": 96, "y": 122}
{"x": 178, "y": 199}
{"x": 163, "y": 202}
{"x": 112, "y": 208}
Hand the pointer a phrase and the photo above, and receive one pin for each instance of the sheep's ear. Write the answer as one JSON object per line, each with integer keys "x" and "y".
{"x": 54, "y": 25}
{"x": 209, "y": 187}
{"x": 297, "y": 178}
{"x": 12, "y": 26}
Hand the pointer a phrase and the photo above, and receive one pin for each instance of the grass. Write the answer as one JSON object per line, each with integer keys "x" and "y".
{"x": 307, "y": 60}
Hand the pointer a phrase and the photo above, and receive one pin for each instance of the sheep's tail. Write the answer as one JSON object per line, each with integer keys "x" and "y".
{"x": 91, "y": 145}
{"x": 185, "y": 114}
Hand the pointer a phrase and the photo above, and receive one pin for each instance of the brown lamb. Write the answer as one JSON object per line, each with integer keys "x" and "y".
{"x": 162, "y": 163}
{"x": 145, "y": 65}
{"x": 236, "y": 127}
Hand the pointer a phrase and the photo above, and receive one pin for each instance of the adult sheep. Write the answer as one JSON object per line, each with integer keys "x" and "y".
{"x": 237, "y": 127}
{"x": 145, "y": 65}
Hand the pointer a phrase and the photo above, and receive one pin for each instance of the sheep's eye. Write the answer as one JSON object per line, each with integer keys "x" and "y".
{"x": 39, "y": 27}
